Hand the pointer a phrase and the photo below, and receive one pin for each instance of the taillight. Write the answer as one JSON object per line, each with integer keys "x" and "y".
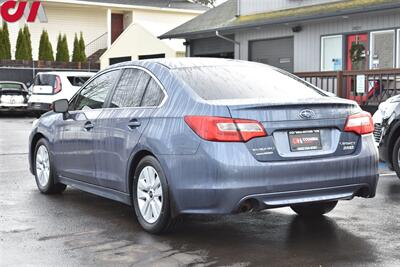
{"x": 360, "y": 123}
{"x": 222, "y": 129}
{"x": 57, "y": 87}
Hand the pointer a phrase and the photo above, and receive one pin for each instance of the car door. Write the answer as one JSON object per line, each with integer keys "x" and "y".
{"x": 75, "y": 136}
{"x": 121, "y": 125}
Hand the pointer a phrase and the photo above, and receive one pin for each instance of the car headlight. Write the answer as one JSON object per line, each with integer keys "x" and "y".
{"x": 35, "y": 123}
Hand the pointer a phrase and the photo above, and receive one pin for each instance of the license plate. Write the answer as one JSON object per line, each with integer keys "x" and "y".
{"x": 305, "y": 140}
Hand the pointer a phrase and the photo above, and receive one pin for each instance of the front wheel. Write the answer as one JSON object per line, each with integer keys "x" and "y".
{"x": 44, "y": 169}
{"x": 151, "y": 197}
{"x": 314, "y": 209}
{"x": 396, "y": 157}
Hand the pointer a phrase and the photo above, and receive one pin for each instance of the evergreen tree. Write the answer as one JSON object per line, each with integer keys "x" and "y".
{"x": 82, "y": 48}
{"x": 28, "y": 42}
{"x": 5, "y": 41}
{"x": 45, "y": 48}
{"x": 65, "y": 48}
{"x": 75, "y": 53}
{"x": 21, "y": 51}
{"x": 2, "y": 47}
{"x": 62, "y": 49}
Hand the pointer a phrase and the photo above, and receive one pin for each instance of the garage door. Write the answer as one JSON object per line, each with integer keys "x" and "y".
{"x": 274, "y": 52}
{"x": 212, "y": 47}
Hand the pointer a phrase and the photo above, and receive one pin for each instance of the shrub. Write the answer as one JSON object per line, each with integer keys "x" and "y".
{"x": 28, "y": 42}
{"x": 45, "y": 48}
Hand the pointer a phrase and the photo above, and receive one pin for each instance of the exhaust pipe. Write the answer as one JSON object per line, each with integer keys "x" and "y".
{"x": 247, "y": 206}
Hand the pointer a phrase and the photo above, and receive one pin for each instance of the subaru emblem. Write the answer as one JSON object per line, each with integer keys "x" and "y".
{"x": 307, "y": 114}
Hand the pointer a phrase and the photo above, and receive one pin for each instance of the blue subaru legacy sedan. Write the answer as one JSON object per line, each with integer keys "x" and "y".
{"x": 205, "y": 136}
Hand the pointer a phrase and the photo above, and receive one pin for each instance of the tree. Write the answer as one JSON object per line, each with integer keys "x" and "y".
{"x": 21, "y": 51}
{"x": 75, "y": 52}
{"x": 82, "y": 47}
{"x": 45, "y": 48}
{"x": 62, "y": 49}
{"x": 2, "y": 48}
{"x": 27, "y": 36}
{"x": 5, "y": 41}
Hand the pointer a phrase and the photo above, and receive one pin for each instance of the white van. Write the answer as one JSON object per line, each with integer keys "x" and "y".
{"x": 51, "y": 86}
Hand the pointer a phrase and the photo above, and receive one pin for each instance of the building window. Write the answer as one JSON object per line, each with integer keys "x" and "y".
{"x": 398, "y": 48}
{"x": 331, "y": 53}
{"x": 382, "y": 54}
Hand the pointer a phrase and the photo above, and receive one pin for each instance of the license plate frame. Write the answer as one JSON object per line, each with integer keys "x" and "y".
{"x": 305, "y": 140}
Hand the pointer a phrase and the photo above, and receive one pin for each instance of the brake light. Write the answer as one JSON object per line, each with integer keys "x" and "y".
{"x": 360, "y": 123}
{"x": 57, "y": 87}
{"x": 222, "y": 129}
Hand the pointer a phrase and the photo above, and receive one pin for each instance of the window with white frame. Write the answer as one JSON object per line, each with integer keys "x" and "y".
{"x": 398, "y": 49}
{"x": 331, "y": 53}
{"x": 382, "y": 51}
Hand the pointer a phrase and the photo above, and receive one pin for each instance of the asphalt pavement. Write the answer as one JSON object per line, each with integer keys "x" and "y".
{"x": 80, "y": 229}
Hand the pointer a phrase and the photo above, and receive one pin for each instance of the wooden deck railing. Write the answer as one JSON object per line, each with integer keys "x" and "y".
{"x": 368, "y": 88}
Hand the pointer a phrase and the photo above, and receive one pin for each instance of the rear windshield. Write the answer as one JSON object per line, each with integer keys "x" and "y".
{"x": 245, "y": 82}
{"x": 77, "y": 80}
{"x": 45, "y": 80}
{"x": 11, "y": 86}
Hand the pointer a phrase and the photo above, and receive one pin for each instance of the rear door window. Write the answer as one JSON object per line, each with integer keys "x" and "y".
{"x": 130, "y": 89}
{"x": 95, "y": 93}
{"x": 153, "y": 96}
{"x": 78, "y": 80}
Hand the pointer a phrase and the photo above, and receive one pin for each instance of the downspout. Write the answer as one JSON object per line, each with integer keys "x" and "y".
{"x": 229, "y": 40}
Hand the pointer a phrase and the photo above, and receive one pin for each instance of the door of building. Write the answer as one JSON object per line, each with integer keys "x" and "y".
{"x": 357, "y": 47}
{"x": 117, "y": 26}
{"x": 275, "y": 52}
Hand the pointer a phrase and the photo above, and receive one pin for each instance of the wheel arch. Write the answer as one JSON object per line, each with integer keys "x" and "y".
{"x": 35, "y": 140}
{"x": 394, "y": 135}
{"x": 133, "y": 163}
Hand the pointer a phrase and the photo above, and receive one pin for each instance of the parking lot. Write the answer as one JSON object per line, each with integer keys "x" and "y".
{"x": 80, "y": 229}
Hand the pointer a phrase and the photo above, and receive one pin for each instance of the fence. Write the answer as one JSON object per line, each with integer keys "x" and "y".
{"x": 369, "y": 88}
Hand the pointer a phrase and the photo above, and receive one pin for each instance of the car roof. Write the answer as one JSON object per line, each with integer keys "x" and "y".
{"x": 188, "y": 62}
{"x": 68, "y": 73}
{"x": 12, "y": 82}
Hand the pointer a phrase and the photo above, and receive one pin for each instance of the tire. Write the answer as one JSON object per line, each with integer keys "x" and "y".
{"x": 150, "y": 188}
{"x": 44, "y": 169}
{"x": 314, "y": 209}
{"x": 396, "y": 157}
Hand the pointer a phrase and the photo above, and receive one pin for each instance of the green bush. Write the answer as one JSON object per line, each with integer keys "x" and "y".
{"x": 45, "y": 48}
{"x": 79, "y": 54}
{"x": 21, "y": 50}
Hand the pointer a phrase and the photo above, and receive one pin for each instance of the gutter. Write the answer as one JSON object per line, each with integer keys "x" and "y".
{"x": 228, "y": 39}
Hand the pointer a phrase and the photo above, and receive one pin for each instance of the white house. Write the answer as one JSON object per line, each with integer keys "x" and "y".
{"x": 102, "y": 23}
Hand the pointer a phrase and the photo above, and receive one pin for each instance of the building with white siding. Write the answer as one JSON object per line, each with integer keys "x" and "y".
{"x": 102, "y": 22}
{"x": 299, "y": 36}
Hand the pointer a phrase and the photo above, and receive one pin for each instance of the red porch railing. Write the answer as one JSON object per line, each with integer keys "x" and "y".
{"x": 368, "y": 88}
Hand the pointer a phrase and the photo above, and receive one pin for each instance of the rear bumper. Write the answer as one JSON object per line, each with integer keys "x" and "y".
{"x": 11, "y": 107}
{"x": 42, "y": 107}
{"x": 220, "y": 177}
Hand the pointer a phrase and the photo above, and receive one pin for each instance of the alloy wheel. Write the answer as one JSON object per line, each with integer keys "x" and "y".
{"x": 149, "y": 194}
{"x": 42, "y": 165}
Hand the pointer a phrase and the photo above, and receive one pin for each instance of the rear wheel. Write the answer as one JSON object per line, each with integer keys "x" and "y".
{"x": 314, "y": 209}
{"x": 396, "y": 157}
{"x": 151, "y": 197}
{"x": 44, "y": 169}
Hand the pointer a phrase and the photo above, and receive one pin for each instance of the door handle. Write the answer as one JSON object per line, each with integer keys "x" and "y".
{"x": 133, "y": 124}
{"x": 88, "y": 126}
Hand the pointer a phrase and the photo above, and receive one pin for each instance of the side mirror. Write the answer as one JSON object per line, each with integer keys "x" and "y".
{"x": 61, "y": 106}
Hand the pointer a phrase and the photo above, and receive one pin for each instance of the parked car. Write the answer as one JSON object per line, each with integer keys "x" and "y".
{"x": 387, "y": 132}
{"x": 50, "y": 86}
{"x": 205, "y": 136}
{"x": 13, "y": 96}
